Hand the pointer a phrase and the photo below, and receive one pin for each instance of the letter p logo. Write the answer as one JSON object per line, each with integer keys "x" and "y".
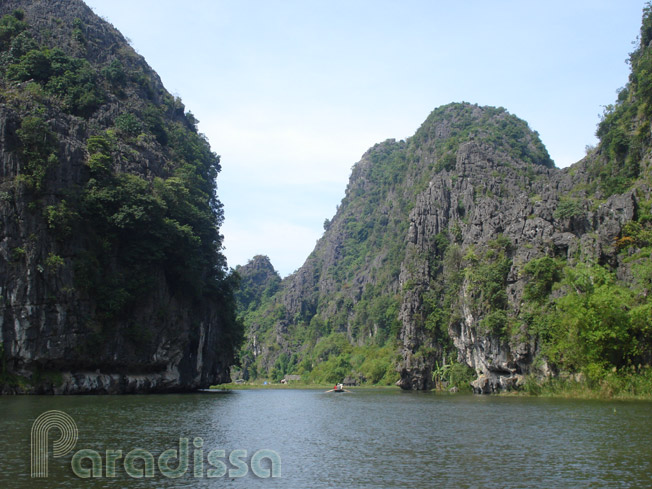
{"x": 39, "y": 439}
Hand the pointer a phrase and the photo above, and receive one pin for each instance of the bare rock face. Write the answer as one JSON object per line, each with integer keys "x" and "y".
{"x": 68, "y": 324}
{"x": 491, "y": 194}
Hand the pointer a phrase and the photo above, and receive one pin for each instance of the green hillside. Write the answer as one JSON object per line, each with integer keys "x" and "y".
{"x": 463, "y": 254}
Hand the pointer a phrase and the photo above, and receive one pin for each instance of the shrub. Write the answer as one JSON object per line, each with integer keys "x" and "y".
{"x": 568, "y": 208}
{"x": 128, "y": 124}
{"x": 38, "y": 148}
{"x": 115, "y": 73}
{"x": 543, "y": 273}
{"x": 10, "y": 26}
{"x": 18, "y": 253}
{"x": 61, "y": 218}
{"x": 53, "y": 262}
{"x": 593, "y": 326}
{"x": 71, "y": 79}
{"x": 460, "y": 376}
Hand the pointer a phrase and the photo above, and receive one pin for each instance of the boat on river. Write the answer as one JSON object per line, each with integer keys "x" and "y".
{"x": 338, "y": 388}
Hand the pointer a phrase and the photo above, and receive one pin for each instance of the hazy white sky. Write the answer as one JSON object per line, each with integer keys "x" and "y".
{"x": 292, "y": 92}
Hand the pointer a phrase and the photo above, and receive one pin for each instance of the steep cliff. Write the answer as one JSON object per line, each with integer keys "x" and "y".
{"x": 358, "y": 281}
{"x": 464, "y": 247}
{"x": 494, "y": 215}
{"x": 111, "y": 275}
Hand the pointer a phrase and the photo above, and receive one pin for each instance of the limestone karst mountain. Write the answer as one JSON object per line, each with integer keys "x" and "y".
{"x": 464, "y": 252}
{"x": 111, "y": 274}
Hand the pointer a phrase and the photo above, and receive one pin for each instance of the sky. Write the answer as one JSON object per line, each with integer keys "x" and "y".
{"x": 291, "y": 93}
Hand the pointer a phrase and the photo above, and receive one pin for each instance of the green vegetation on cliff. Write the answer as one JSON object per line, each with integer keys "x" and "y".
{"x": 624, "y": 131}
{"x": 339, "y": 316}
{"x": 135, "y": 223}
{"x": 120, "y": 188}
{"x": 591, "y": 322}
{"x": 463, "y": 249}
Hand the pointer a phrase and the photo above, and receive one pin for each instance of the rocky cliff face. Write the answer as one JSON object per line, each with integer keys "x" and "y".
{"x": 463, "y": 247}
{"x": 488, "y": 195}
{"x": 111, "y": 279}
{"x": 430, "y": 245}
{"x": 400, "y": 196}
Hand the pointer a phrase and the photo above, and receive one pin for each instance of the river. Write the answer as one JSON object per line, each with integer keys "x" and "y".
{"x": 364, "y": 439}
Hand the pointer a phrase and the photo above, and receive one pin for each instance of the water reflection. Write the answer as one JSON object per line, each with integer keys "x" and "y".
{"x": 369, "y": 438}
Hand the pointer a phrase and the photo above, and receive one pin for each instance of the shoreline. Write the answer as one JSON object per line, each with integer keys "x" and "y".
{"x": 561, "y": 390}
{"x": 294, "y": 386}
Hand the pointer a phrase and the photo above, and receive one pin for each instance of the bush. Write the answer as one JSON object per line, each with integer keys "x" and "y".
{"x": 543, "y": 273}
{"x": 495, "y": 322}
{"x": 115, "y": 73}
{"x": 18, "y": 253}
{"x": 71, "y": 79}
{"x": 38, "y": 146}
{"x": 568, "y": 208}
{"x": 128, "y": 124}
{"x": 53, "y": 262}
{"x": 460, "y": 376}
{"x": 61, "y": 219}
{"x": 100, "y": 161}
{"x": 10, "y": 27}
{"x": 591, "y": 326}
{"x": 331, "y": 371}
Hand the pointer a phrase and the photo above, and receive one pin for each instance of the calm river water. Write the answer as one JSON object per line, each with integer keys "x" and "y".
{"x": 363, "y": 439}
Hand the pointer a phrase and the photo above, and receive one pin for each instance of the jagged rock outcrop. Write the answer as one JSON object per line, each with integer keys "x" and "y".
{"x": 400, "y": 196}
{"x": 436, "y": 231}
{"x": 111, "y": 278}
{"x": 490, "y": 194}
{"x": 465, "y": 244}
{"x": 258, "y": 279}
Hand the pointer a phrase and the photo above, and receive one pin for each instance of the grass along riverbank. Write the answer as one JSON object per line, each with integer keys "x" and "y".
{"x": 294, "y": 386}
{"x": 631, "y": 384}
{"x": 611, "y": 385}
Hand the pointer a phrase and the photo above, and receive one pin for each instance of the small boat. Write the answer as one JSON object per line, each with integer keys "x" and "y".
{"x": 338, "y": 388}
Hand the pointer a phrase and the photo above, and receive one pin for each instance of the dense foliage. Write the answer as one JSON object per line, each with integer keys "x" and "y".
{"x": 624, "y": 131}
{"x": 583, "y": 313}
{"x": 372, "y": 224}
{"x": 587, "y": 320}
{"x": 144, "y": 209}
{"x": 491, "y": 125}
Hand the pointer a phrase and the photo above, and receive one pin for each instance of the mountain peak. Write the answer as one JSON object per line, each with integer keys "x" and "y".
{"x": 258, "y": 279}
{"x": 450, "y": 125}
